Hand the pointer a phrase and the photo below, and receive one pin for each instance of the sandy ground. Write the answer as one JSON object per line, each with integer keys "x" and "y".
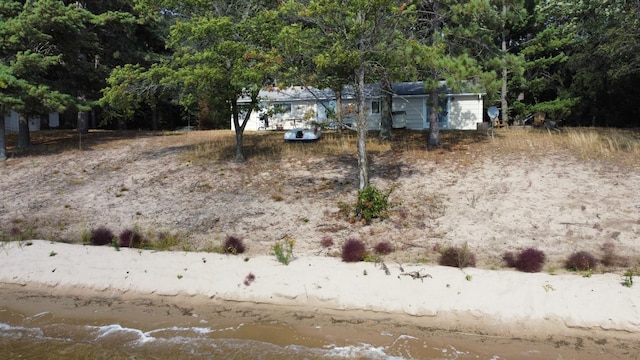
{"x": 494, "y": 204}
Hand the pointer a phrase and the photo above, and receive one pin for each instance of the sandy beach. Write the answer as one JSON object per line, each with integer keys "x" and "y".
{"x": 597, "y": 312}
{"x": 554, "y": 202}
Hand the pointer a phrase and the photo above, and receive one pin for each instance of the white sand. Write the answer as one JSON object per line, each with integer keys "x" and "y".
{"x": 487, "y": 301}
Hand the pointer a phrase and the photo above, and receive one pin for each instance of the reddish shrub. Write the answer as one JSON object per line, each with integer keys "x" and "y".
{"x": 530, "y": 260}
{"x": 233, "y": 245}
{"x": 130, "y": 238}
{"x": 509, "y": 259}
{"x": 326, "y": 241}
{"x": 249, "y": 279}
{"x": 101, "y": 236}
{"x": 611, "y": 259}
{"x": 581, "y": 261}
{"x": 353, "y": 251}
{"x": 383, "y": 248}
{"x": 457, "y": 257}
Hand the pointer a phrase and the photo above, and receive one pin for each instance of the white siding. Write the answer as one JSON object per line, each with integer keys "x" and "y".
{"x": 414, "y": 109}
{"x": 465, "y": 112}
{"x": 302, "y": 113}
{"x": 11, "y": 121}
{"x": 54, "y": 120}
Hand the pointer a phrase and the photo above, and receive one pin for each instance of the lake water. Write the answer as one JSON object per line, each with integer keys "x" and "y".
{"x": 41, "y": 338}
{"x": 45, "y": 326}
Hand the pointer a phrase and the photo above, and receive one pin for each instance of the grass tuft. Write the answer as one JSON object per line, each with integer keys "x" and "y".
{"x": 460, "y": 257}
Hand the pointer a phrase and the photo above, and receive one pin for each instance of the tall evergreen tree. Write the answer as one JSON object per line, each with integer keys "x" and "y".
{"x": 440, "y": 56}
{"x": 222, "y": 50}
{"x": 354, "y": 37}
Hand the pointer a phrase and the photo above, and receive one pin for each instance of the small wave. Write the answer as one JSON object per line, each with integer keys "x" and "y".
{"x": 18, "y": 332}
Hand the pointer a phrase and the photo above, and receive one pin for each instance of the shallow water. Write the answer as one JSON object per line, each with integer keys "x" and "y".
{"x": 44, "y": 337}
{"x": 45, "y": 325}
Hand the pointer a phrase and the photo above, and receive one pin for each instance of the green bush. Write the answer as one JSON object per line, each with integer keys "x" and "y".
{"x": 373, "y": 203}
{"x": 284, "y": 252}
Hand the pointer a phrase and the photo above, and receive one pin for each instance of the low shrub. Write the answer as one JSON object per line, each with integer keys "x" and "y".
{"x": 581, "y": 261}
{"x": 249, "y": 279}
{"x": 383, "y": 248}
{"x": 372, "y": 203}
{"x": 130, "y": 238}
{"x": 611, "y": 258}
{"x": 101, "y": 236}
{"x": 530, "y": 260}
{"x": 460, "y": 257}
{"x": 353, "y": 251}
{"x": 326, "y": 241}
{"x": 233, "y": 245}
{"x": 167, "y": 240}
{"x": 509, "y": 259}
{"x": 284, "y": 251}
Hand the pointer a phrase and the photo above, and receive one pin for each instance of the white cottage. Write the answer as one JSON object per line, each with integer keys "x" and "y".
{"x": 301, "y": 106}
{"x": 11, "y": 121}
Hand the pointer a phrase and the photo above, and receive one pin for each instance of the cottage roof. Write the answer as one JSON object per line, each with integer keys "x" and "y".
{"x": 300, "y": 93}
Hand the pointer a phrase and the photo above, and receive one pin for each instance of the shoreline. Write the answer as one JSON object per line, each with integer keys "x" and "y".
{"x": 283, "y": 325}
{"x": 475, "y": 301}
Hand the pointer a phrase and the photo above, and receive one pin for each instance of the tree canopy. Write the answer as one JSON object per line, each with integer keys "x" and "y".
{"x": 126, "y": 62}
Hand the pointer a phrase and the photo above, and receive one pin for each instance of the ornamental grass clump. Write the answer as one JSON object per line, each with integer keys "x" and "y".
{"x": 233, "y": 245}
{"x": 581, "y": 261}
{"x": 130, "y": 238}
{"x": 529, "y": 260}
{"x": 353, "y": 250}
{"x": 383, "y": 248}
{"x": 101, "y": 236}
{"x": 326, "y": 241}
{"x": 460, "y": 257}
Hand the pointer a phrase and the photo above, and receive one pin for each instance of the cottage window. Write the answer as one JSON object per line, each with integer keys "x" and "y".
{"x": 284, "y": 108}
{"x": 375, "y": 107}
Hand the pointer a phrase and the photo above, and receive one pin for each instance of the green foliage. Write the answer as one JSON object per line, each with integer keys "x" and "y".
{"x": 166, "y": 240}
{"x": 627, "y": 280}
{"x": 284, "y": 251}
{"x": 373, "y": 203}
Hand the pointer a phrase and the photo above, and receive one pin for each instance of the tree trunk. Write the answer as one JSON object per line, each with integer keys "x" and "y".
{"x": 83, "y": 122}
{"x": 363, "y": 166}
{"x": 340, "y": 122}
{"x": 239, "y": 128}
{"x": 24, "y": 139}
{"x": 94, "y": 119}
{"x": 434, "y": 121}
{"x": 3, "y": 144}
{"x": 504, "y": 104}
{"x": 386, "y": 114}
{"x": 154, "y": 118}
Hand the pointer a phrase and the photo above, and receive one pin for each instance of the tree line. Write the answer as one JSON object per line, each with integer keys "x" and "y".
{"x": 155, "y": 63}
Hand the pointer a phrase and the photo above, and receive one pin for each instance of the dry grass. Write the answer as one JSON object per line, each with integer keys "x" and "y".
{"x": 614, "y": 145}
{"x": 619, "y": 146}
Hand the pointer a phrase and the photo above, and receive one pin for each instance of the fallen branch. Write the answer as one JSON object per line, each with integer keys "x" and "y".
{"x": 416, "y": 275}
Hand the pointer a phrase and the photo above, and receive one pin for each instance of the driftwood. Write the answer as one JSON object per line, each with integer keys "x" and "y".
{"x": 416, "y": 275}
